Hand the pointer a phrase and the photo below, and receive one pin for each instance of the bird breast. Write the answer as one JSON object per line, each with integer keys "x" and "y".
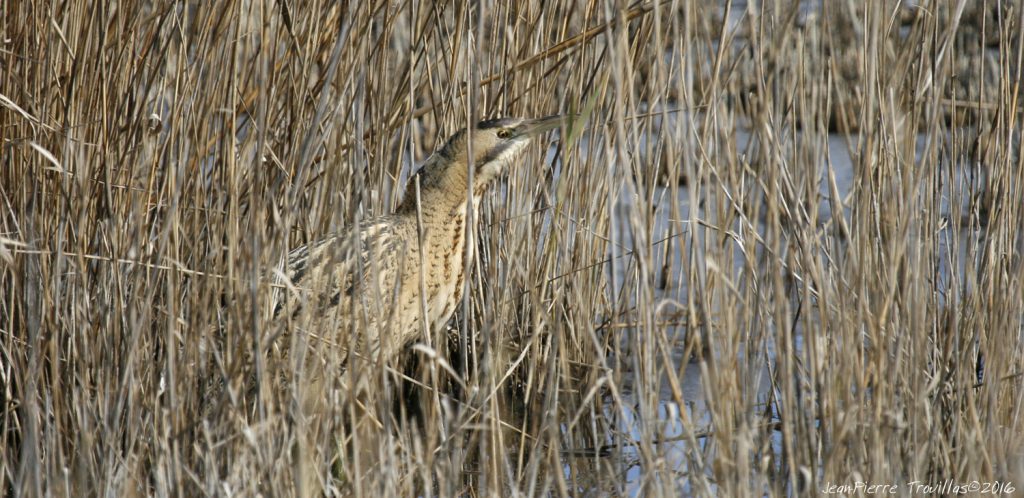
{"x": 446, "y": 257}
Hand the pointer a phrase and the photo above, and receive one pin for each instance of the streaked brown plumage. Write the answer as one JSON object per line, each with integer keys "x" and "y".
{"x": 375, "y": 288}
{"x": 399, "y": 274}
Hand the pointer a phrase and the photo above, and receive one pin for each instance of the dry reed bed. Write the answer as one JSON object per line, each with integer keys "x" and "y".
{"x": 159, "y": 159}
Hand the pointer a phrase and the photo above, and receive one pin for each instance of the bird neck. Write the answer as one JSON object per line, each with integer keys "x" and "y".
{"x": 440, "y": 205}
{"x": 442, "y": 191}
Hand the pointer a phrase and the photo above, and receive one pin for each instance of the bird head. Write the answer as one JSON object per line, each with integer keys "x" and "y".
{"x": 494, "y": 144}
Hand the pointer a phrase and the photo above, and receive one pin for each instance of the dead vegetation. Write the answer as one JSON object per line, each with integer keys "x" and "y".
{"x": 681, "y": 298}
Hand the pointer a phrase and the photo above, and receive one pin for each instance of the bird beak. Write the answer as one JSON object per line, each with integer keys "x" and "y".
{"x": 535, "y": 127}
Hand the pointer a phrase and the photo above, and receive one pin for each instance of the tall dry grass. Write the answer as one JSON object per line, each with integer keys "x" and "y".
{"x": 686, "y": 297}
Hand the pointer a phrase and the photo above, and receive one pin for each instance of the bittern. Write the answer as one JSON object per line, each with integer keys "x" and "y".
{"x": 378, "y": 286}
{"x": 390, "y": 279}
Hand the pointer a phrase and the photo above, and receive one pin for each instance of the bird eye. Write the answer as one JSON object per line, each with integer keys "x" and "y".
{"x": 504, "y": 133}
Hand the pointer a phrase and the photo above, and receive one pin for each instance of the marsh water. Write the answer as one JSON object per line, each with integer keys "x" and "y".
{"x": 621, "y": 469}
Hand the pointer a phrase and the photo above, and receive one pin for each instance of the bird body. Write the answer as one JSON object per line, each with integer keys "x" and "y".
{"x": 377, "y": 286}
{"x": 365, "y": 293}
{"x": 386, "y": 305}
